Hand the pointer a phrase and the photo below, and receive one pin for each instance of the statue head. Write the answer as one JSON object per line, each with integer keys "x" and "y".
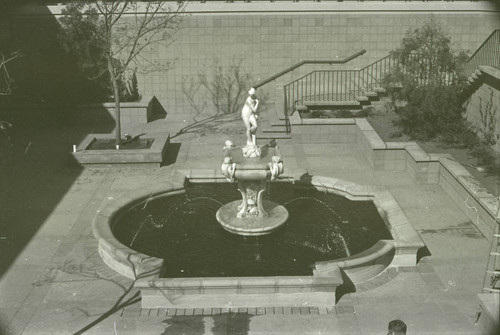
{"x": 228, "y": 160}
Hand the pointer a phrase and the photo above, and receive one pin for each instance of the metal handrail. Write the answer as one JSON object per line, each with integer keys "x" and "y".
{"x": 293, "y": 67}
{"x": 496, "y": 31}
{"x": 349, "y": 84}
{"x": 488, "y": 53}
{"x": 369, "y": 77}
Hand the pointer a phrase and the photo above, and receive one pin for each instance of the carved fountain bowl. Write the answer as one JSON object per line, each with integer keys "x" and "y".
{"x": 252, "y": 216}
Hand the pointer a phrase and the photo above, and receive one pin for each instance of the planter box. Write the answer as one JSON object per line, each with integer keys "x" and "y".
{"x": 152, "y": 156}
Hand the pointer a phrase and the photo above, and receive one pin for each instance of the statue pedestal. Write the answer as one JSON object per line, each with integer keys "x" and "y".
{"x": 252, "y": 215}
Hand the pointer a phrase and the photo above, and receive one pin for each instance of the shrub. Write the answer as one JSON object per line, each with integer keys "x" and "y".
{"x": 428, "y": 78}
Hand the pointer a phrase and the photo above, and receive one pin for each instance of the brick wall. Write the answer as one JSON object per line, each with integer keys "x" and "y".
{"x": 269, "y": 37}
{"x": 267, "y": 44}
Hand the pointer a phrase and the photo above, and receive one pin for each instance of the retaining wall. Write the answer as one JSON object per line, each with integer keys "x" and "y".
{"x": 479, "y": 205}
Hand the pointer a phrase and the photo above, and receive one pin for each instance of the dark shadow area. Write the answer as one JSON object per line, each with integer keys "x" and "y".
{"x": 225, "y": 323}
{"x": 171, "y": 154}
{"x": 158, "y": 111}
{"x": 39, "y": 169}
{"x": 346, "y": 287}
{"x": 423, "y": 252}
{"x": 306, "y": 178}
{"x": 184, "y": 325}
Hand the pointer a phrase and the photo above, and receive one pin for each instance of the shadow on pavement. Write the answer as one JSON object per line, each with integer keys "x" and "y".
{"x": 225, "y": 323}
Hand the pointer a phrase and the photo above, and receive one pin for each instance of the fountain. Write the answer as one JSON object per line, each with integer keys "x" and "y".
{"x": 211, "y": 250}
{"x": 252, "y": 215}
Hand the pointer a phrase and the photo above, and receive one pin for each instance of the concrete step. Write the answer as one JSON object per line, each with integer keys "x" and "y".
{"x": 274, "y": 130}
{"x": 270, "y": 135}
{"x": 331, "y": 103}
{"x": 278, "y": 123}
{"x": 371, "y": 94}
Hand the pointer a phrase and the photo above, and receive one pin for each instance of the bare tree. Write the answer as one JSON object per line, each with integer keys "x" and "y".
{"x": 111, "y": 36}
{"x": 5, "y": 79}
{"x": 224, "y": 86}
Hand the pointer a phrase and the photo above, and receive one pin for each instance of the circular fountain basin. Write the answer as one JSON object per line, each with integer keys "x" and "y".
{"x": 182, "y": 229}
{"x": 288, "y": 280}
{"x": 252, "y": 225}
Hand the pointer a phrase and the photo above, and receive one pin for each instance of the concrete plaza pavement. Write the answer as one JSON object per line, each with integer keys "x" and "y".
{"x": 55, "y": 282}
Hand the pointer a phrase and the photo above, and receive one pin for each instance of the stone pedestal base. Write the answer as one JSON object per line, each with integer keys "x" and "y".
{"x": 252, "y": 225}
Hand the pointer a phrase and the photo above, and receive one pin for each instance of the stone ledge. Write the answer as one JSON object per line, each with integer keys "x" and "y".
{"x": 490, "y": 71}
{"x": 331, "y": 121}
{"x": 271, "y": 8}
{"x": 134, "y": 157}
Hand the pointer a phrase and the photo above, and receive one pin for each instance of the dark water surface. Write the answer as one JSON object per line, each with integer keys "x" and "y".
{"x": 182, "y": 229}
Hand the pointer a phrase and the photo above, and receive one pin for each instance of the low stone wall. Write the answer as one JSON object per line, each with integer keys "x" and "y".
{"x": 248, "y": 292}
{"x": 474, "y": 200}
{"x": 152, "y": 156}
{"x": 324, "y": 130}
{"x": 479, "y": 206}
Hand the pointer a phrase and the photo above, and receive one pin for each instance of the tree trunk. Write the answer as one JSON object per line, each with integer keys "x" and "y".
{"x": 114, "y": 84}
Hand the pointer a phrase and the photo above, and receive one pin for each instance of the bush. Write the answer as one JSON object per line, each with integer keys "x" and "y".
{"x": 428, "y": 79}
{"x": 432, "y": 111}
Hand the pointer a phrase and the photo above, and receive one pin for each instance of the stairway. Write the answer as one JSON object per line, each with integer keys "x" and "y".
{"x": 273, "y": 124}
{"x": 352, "y": 100}
{"x": 474, "y": 77}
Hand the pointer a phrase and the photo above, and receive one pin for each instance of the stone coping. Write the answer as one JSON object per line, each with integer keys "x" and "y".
{"x": 143, "y": 103}
{"x": 295, "y": 119}
{"x": 378, "y": 251}
{"x": 463, "y": 177}
{"x": 268, "y": 7}
{"x": 406, "y": 240}
{"x": 490, "y": 71}
{"x": 276, "y": 283}
{"x": 150, "y": 156}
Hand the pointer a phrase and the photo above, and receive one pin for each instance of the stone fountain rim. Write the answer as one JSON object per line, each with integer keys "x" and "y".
{"x": 136, "y": 265}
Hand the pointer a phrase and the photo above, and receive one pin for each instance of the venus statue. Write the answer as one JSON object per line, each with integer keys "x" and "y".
{"x": 249, "y": 116}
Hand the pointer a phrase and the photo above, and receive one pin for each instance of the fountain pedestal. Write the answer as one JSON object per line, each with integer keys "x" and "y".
{"x": 252, "y": 215}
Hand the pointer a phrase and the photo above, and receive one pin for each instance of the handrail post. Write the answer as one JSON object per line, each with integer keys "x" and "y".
{"x": 285, "y": 106}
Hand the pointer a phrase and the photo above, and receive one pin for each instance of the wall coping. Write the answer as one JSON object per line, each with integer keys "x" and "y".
{"x": 143, "y": 103}
{"x": 267, "y": 7}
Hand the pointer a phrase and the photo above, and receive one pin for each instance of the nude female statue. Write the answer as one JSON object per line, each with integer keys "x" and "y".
{"x": 249, "y": 117}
